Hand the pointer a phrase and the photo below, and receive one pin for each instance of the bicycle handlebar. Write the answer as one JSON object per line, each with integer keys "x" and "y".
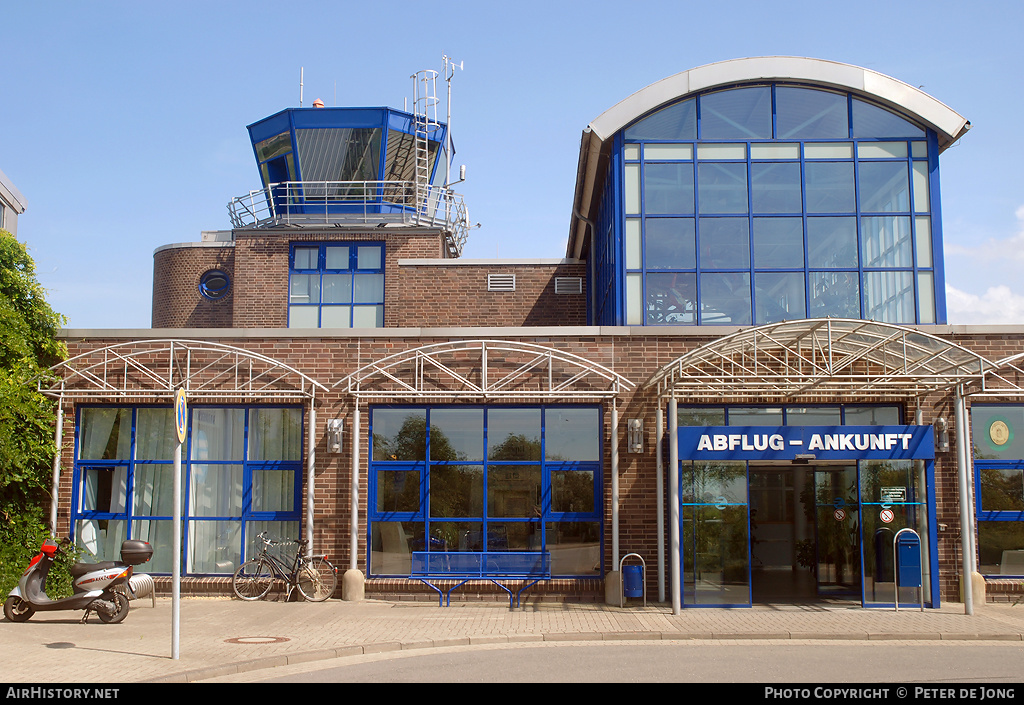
{"x": 267, "y": 541}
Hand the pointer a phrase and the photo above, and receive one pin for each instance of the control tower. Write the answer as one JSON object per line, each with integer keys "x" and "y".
{"x": 340, "y": 167}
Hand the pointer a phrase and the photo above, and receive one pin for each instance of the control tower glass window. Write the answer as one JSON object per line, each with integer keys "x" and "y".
{"x": 775, "y": 202}
{"x": 336, "y": 285}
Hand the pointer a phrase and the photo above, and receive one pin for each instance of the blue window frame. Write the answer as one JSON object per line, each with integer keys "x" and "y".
{"x": 214, "y": 284}
{"x": 486, "y": 478}
{"x": 998, "y": 445}
{"x": 847, "y": 549}
{"x": 241, "y": 474}
{"x": 834, "y": 195}
{"x": 336, "y": 285}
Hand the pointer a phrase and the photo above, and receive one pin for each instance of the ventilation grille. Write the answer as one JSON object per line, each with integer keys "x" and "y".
{"x": 501, "y": 282}
{"x": 568, "y": 285}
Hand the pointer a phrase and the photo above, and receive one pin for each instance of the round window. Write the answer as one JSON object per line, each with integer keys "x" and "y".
{"x": 214, "y": 284}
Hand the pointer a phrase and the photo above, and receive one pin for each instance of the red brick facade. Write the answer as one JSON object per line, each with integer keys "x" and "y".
{"x": 421, "y": 290}
{"x": 635, "y": 355}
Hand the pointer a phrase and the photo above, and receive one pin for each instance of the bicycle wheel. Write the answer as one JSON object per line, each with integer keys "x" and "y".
{"x": 252, "y": 580}
{"x": 316, "y": 580}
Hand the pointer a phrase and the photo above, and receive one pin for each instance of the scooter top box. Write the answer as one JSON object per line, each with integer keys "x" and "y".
{"x": 134, "y": 552}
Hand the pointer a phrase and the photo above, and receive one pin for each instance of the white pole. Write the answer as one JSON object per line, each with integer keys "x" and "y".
{"x": 176, "y": 555}
{"x": 673, "y": 503}
{"x": 310, "y": 469}
{"x": 966, "y": 529}
{"x": 615, "y": 486}
{"x": 354, "y": 506}
{"x": 58, "y": 436}
{"x": 660, "y": 495}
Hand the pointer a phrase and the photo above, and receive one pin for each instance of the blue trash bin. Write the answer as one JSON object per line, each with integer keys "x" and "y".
{"x": 633, "y": 581}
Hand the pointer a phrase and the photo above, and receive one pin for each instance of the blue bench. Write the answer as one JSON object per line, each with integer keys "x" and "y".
{"x": 530, "y": 567}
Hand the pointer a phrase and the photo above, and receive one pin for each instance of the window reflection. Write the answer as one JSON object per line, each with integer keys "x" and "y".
{"x": 889, "y": 296}
{"x": 724, "y": 243}
{"x": 829, "y": 187}
{"x": 668, "y": 189}
{"x": 725, "y": 298}
{"x": 741, "y": 113}
{"x": 670, "y": 243}
{"x": 672, "y": 298}
{"x": 722, "y": 187}
{"x": 831, "y": 242}
{"x": 780, "y": 296}
{"x": 835, "y": 294}
{"x": 778, "y": 243}
{"x": 872, "y": 121}
{"x": 803, "y": 113}
{"x": 839, "y": 157}
{"x": 775, "y": 188}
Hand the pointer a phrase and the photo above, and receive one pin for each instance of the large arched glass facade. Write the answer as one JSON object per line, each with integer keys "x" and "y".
{"x": 762, "y": 203}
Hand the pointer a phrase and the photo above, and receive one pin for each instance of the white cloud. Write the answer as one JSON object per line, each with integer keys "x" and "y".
{"x": 981, "y": 276}
{"x": 997, "y": 305}
{"x": 993, "y": 249}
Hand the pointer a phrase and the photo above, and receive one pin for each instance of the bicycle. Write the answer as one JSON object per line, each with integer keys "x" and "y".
{"x": 315, "y": 577}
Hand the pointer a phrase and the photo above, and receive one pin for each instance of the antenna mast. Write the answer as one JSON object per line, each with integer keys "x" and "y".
{"x": 301, "y": 69}
{"x": 449, "y": 72}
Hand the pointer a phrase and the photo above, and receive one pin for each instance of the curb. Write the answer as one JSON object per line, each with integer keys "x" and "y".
{"x": 269, "y": 662}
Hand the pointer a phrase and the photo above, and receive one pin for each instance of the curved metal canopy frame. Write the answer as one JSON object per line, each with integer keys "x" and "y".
{"x": 820, "y": 357}
{"x": 148, "y": 369}
{"x": 1005, "y": 379}
{"x": 484, "y": 370}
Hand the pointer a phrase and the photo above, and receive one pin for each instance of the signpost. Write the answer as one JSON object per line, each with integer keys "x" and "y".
{"x": 181, "y": 428}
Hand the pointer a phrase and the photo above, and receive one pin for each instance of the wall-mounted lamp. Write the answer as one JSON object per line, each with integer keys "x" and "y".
{"x": 334, "y": 427}
{"x": 941, "y": 435}
{"x": 803, "y": 458}
{"x": 635, "y": 435}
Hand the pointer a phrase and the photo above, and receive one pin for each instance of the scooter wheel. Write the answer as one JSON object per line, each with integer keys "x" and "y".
{"x": 17, "y": 610}
{"x": 120, "y": 609}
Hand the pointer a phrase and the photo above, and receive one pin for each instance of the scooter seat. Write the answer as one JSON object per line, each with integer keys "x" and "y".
{"x": 80, "y": 569}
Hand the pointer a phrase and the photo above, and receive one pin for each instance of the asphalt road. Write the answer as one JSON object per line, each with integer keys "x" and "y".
{"x": 968, "y": 664}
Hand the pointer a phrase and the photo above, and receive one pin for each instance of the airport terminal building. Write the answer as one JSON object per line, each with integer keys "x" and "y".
{"x": 740, "y": 374}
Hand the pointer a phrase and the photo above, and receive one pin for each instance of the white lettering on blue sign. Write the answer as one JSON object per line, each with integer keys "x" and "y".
{"x": 732, "y": 441}
{"x": 859, "y": 441}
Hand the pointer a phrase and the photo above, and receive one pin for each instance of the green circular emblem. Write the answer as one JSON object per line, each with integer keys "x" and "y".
{"x": 999, "y": 432}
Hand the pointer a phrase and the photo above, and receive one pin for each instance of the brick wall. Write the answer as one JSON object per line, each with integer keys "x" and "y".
{"x": 431, "y": 295}
{"x": 636, "y": 356}
{"x": 177, "y": 302}
{"x": 415, "y": 295}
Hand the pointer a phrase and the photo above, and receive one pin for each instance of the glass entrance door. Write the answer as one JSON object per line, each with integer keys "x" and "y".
{"x": 837, "y": 530}
{"x": 894, "y": 498}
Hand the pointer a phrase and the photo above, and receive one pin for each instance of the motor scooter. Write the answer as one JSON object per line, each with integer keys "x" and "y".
{"x": 104, "y": 588}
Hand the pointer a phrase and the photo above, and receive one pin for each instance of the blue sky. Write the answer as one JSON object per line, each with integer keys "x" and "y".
{"x": 123, "y": 123}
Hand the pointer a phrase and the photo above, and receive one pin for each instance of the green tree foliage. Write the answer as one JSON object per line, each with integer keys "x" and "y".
{"x": 29, "y": 344}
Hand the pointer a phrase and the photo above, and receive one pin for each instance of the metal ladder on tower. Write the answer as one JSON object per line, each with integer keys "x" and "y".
{"x": 424, "y": 106}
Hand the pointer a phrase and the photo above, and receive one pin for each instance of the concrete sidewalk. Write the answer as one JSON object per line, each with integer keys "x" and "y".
{"x": 221, "y": 636}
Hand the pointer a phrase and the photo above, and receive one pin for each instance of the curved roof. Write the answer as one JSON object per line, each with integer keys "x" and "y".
{"x": 816, "y": 357}
{"x": 484, "y": 370}
{"x": 156, "y": 369}
{"x": 879, "y": 88}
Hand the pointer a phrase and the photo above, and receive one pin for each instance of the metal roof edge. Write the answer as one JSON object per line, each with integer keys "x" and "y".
{"x": 11, "y": 194}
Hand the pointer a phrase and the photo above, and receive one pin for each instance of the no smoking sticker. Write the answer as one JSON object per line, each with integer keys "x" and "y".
{"x": 886, "y": 516}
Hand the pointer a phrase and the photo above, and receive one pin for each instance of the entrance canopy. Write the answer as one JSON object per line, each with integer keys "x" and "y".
{"x": 484, "y": 370}
{"x": 828, "y": 357}
{"x": 153, "y": 370}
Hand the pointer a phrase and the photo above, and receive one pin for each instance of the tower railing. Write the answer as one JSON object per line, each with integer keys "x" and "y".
{"x": 355, "y": 203}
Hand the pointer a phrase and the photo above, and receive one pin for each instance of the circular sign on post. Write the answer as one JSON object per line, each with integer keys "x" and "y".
{"x": 839, "y": 514}
{"x": 180, "y": 415}
{"x": 886, "y": 515}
